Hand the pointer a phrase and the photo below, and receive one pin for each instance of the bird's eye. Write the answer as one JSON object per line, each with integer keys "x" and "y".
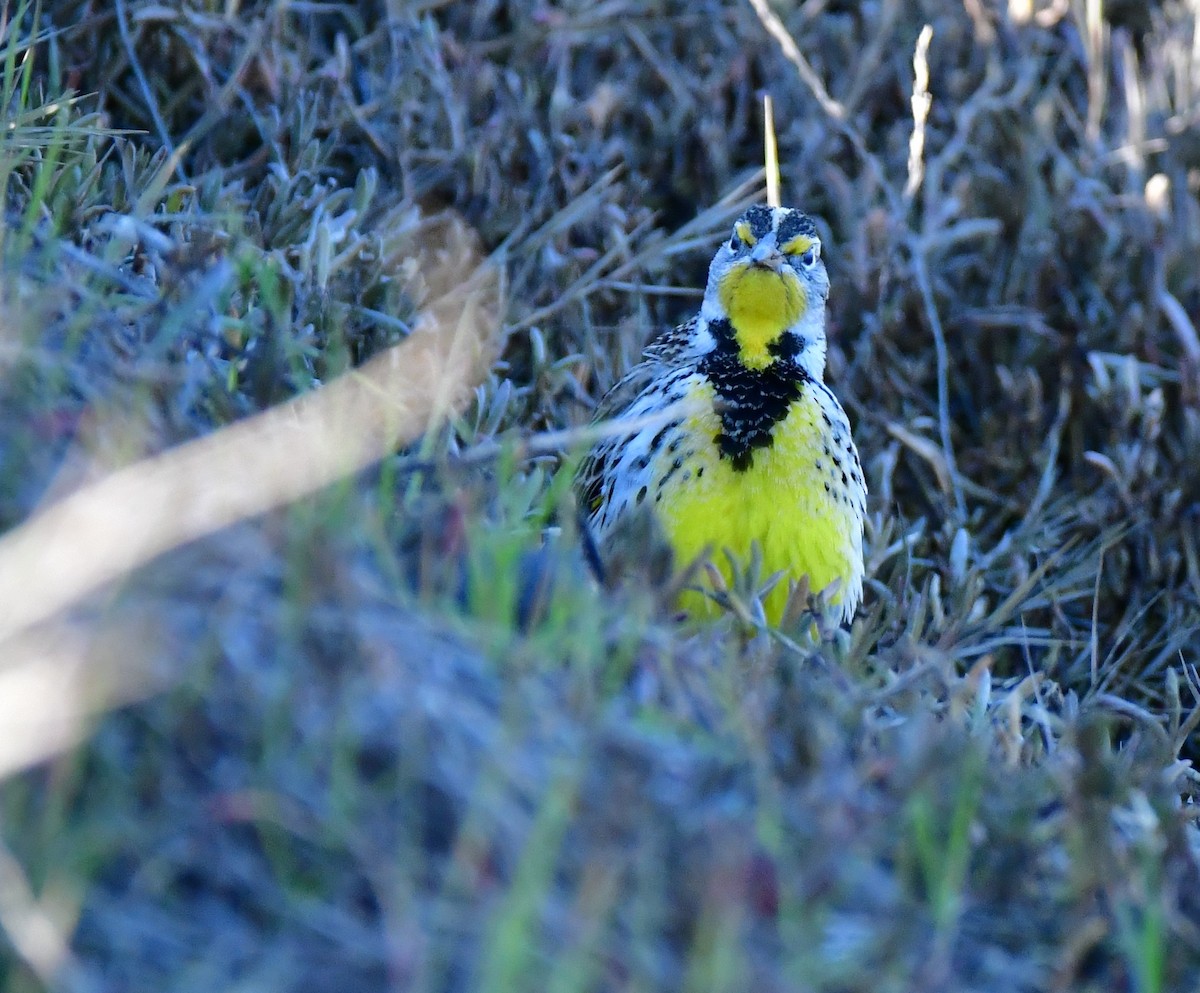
{"x": 742, "y": 235}
{"x": 808, "y": 250}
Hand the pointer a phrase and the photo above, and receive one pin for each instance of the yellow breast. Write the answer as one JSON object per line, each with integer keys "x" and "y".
{"x": 801, "y": 500}
{"x": 760, "y": 304}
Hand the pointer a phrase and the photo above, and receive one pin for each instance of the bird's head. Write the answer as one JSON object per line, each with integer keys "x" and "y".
{"x": 769, "y": 282}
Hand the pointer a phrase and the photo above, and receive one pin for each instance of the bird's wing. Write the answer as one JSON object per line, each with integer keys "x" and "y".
{"x": 672, "y": 348}
{"x": 667, "y": 351}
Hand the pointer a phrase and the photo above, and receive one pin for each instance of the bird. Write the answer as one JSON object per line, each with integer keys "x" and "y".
{"x": 735, "y": 442}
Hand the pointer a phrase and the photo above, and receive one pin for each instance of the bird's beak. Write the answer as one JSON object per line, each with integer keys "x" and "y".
{"x": 767, "y": 255}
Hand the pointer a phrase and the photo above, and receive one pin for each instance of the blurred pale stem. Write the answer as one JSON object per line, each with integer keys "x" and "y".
{"x": 106, "y": 530}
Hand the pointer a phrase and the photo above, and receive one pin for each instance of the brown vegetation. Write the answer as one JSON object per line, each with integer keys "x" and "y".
{"x": 391, "y": 734}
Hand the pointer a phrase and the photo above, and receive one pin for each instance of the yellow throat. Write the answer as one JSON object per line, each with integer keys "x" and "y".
{"x": 761, "y": 305}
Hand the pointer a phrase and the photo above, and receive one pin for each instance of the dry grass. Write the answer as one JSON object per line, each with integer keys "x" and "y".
{"x": 391, "y": 734}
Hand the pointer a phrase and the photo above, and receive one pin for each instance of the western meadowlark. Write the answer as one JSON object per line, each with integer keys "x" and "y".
{"x": 758, "y": 450}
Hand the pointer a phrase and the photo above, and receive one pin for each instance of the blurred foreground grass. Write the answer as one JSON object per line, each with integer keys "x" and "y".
{"x": 342, "y": 744}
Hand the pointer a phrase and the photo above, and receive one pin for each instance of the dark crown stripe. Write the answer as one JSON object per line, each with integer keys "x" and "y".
{"x": 794, "y": 224}
{"x": 759, "y": 219}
